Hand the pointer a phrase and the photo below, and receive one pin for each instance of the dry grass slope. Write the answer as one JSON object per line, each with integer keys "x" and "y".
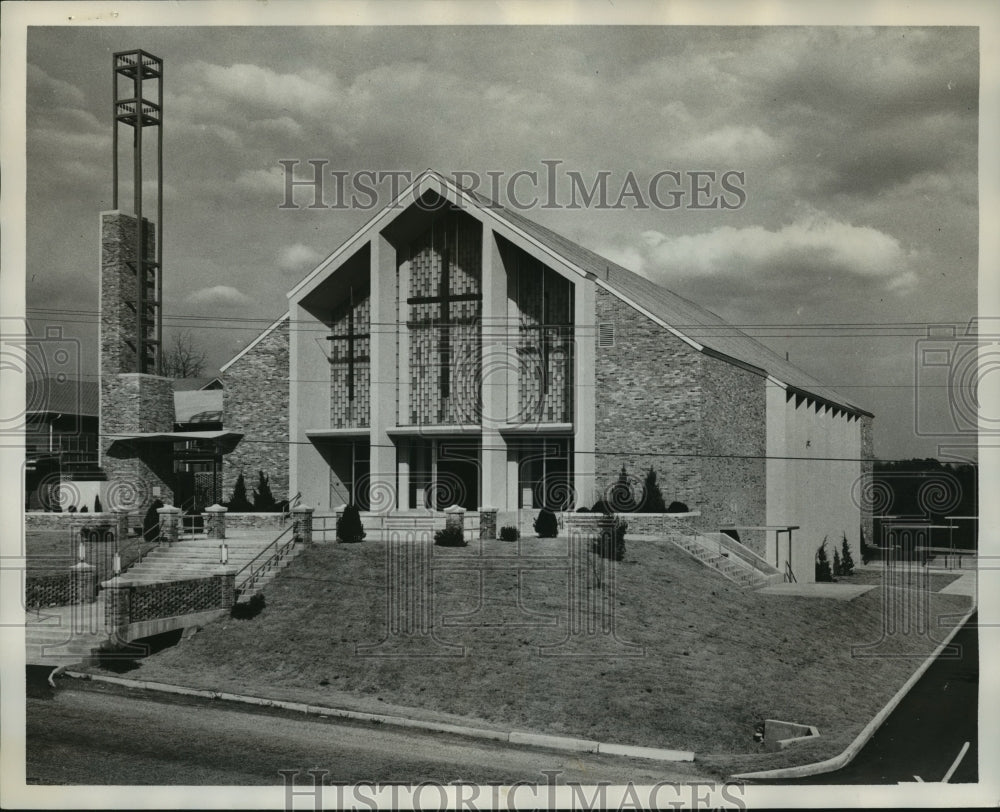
{"x": 714, "y": 659}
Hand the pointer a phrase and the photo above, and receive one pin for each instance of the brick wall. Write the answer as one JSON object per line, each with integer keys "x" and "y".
{"x": 48, "y": 590}
{"x": 129, "y": 603}
{"x": 153, "y": 601}
{"x": 733, "y": 448}
{"x": 648, "y": 405}
{"x": 867, "y": 474}
{"x": 255, "y": 402}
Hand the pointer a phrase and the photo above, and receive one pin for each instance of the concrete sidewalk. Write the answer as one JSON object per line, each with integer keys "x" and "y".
{"x": 517, "y": 737}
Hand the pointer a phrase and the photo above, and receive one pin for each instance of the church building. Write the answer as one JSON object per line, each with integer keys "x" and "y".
{"x": 452, "y": 351}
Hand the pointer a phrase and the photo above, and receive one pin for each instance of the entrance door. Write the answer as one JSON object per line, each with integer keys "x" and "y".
{"x": 545, "y": 474}
{"x": 457, "y": 480}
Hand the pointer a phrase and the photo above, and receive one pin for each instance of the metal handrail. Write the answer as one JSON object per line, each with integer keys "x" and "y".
{"x": 746, "y": 554}
{"x": 287, "y": 514}
{"x": 265, "y": 565}
{"x": 789, "y": 575}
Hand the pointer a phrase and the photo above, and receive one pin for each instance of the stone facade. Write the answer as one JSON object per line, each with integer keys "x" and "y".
{"x": 697, "y": 420}
{"x": 138, "y": 473}
{"x": 649, "y": 405}
{"x": 255, "y": 403}
{"x": 732, "y": 450}
{"x": 118, "y": 290}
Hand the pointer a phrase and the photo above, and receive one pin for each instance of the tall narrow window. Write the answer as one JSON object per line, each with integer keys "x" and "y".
{"x": 351, "y": 356}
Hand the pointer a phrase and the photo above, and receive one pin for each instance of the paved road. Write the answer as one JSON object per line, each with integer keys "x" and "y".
{"x": 923, "y": 736}
{"x": 86, "y": 734}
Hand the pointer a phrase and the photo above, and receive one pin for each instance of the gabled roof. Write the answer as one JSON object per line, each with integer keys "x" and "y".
{"x": 192, "y": 384}
{"x": 694, "y": 324}
{"x": 193, "y": 402}
{"x": 264, "y": 334}
{"x": 693, "y": 321}
{"x": 67, "y": 396}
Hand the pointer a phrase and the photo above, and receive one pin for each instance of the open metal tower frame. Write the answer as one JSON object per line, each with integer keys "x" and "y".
{"x": 139, "y": 112}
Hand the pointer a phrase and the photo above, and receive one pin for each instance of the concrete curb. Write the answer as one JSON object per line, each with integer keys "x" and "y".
{"x": 563, "y": 743}
{"x": 845, "y": 758}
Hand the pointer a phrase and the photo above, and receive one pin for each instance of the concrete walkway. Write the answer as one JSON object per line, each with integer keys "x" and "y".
{"x": 966, "y": 585}
{"x": 838, "y": 592}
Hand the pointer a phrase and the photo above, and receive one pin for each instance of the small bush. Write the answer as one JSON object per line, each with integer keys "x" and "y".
{"x": 546, "y": 525}
{"x": 263, "y": 499}
{"x": 349, "y": 527}
{"x": 823, "y": 571}
{"x": 601, "y": 506}
{"x": 450, "y": 537}
{"x": 613, "y": 548}
{"x": 846, "y": 559}
{"x": 98, "y": 507}
{"x": 509, "y": 533}
{"x": 249, "y": 609}
{"x": 867, "y": 553}
{"x": 678, "y": 507}
{"x": 151, "y": 522}
{"x": 583, "y": 510}
{"x": 652, "y": 496}
{"x": 239, "y": 502}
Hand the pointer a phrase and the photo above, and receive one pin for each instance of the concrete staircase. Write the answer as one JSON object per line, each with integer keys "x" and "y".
{"x": 194, "y": 558}
{"x": 705, "y": 547}
{"x": 64, "y": 635}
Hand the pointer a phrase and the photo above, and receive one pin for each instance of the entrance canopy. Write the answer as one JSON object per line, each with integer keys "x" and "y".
{"x": 225, "y": 441}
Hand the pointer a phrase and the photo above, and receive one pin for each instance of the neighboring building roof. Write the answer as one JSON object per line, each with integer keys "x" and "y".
{"x": 188, "y": 384}
{"x": 188, "y": 404}
{"x": 68, "y": 396}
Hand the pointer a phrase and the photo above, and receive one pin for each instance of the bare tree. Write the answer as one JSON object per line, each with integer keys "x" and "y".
{"x": 183, "y": 358}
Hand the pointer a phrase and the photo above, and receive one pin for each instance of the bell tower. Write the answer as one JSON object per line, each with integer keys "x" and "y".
{"x": 137, "y": 78}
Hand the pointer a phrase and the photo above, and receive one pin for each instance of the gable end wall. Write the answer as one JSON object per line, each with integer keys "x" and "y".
{"x": 255, "y": 402}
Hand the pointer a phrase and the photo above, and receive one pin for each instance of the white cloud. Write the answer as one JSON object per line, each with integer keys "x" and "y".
{"x": 219, "y": 296}
{"x": 46, "y": 91}
{"x": 814, "y": 243}
{"x": 269, "y": 181}
{"x": 298, "y": 257}
{"x": 730, "y": 143}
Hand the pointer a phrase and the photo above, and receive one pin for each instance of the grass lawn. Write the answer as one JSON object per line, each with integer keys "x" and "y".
{"x": 53, "y": 552}
{"x": 696, "y": 664}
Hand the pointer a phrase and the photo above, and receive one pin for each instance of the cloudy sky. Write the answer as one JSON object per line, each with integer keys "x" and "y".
{"x": 859, "y": 148}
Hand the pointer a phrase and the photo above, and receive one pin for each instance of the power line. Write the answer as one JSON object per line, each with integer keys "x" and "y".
{"x": 611, "y": 452}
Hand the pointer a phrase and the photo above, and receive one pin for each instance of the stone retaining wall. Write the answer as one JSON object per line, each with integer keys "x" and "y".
{"x": 134, "y": 603}
{"x": 70, "y": 522}
{"x": 267, "y": 521}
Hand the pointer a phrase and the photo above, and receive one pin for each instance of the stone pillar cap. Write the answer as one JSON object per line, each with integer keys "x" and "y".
{"x": 303, "y": 509}
{"x": 216, "y": 509}
{"x": 83, "y": 565}
{"x": 484, "y": 509}
{"x": 168, "y": 509}
{"x": 454, "y": 509}
{"x": 120, "y": 510}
